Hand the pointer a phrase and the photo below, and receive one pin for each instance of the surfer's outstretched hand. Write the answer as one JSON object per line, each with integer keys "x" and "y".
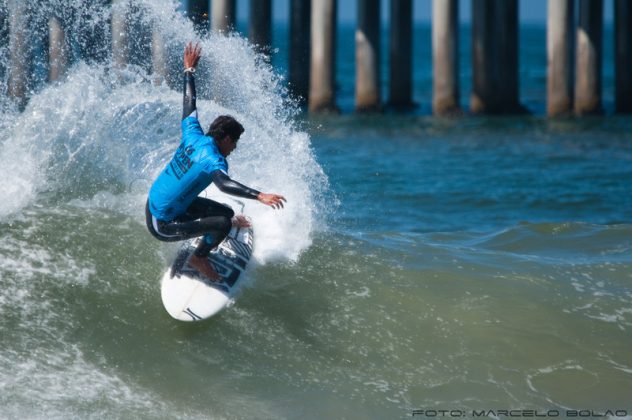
{"x": 241, "y": 221}
{"x": 192, "y": 55}
{"x": 273, "y": 200}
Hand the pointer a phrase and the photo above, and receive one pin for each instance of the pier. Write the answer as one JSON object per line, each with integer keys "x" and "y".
{"x": 574, "y": 56}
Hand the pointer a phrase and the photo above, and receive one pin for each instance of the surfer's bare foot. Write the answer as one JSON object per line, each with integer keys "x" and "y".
{"x": 241, "y": 221}
{"x": 202, "y": 265}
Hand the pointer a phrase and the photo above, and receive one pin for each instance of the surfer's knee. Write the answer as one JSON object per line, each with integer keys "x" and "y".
{"x": 217, "y": 233}
{"x": 225, "y": 211}
{"x": 225, "y": 225}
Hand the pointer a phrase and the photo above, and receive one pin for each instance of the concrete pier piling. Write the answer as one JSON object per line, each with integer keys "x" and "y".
{"x": 445, "y": 57}
{"x": 57, "y": 49}
{"x": 19, "y": 67}
{"x": 4, "y": 37}
{"x": 367, "y": 38}
{"x": 120, "y": 33}
{"x": 484, "y": 96}
{"x": 559, "y": 52}
{"x": 507, "y": 34}
{"x": 140, "y": 37}
{"x": 159, "y": 64}
{"x": 401, "y": 32}
{"x": 623, "y": 56}
{"x": 299, "y": 49}
{"x": 260, "y": 25}
{"x": 588, "y": 63}
{"x": 495, "y": 57}
{"x": 223, "y": 16}
{"x": 199, "y": 12}
{"x": 94, "y": 31}
{"x": 323, "y": 53}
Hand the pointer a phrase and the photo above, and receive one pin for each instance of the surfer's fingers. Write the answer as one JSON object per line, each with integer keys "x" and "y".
{"x": 197, "y": 51}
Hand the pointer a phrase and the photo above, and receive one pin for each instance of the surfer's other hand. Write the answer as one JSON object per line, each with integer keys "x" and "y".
{"x": 273, "y": 200}
{"x": 241, "y": 221}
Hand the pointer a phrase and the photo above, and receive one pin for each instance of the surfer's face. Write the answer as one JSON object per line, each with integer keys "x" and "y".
{"x": 226, "y": 145}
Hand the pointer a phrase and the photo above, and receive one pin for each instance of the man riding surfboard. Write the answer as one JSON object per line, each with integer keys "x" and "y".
{"x": 174, "y": 212}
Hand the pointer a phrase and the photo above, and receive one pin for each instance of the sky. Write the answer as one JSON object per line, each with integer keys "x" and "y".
{"x": 531, "y": 11}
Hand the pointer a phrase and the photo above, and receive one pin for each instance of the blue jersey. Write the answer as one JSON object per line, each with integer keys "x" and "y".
{"x": 187, "y": 174}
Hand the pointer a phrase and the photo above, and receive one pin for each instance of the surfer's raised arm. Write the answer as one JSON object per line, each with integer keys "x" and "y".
{"x": 192, "y": 55}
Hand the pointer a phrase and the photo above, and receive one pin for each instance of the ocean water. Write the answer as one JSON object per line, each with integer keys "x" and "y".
{"x": 473, "y": 265}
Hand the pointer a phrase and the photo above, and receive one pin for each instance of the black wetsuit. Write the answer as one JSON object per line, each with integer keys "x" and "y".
{"x": 174, "y": 212}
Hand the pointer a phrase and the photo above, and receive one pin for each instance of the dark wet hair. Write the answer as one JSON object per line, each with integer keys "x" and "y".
{"x": 225, "y": 125}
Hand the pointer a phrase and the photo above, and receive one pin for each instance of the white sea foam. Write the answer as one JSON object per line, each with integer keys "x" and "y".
{"x": 94, "y": 143}
{"x": 101, "y": 130}
{"x": 65, "y": 385}
{"x": 43, "y": 373}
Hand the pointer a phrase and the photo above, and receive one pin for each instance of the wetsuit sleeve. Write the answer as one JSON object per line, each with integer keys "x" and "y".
{"x": 190, "y": 126}
{"x": 188, "y": 103}
{"x": 228, "y": 186}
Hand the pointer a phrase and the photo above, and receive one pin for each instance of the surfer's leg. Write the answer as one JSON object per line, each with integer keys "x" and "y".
{"x": 202, "y": 207}
{"x": 220, "y": 227}
{"x": 202, "y": 265}
{"x": 205, "y": 218}
{"x": 215, "y": 220}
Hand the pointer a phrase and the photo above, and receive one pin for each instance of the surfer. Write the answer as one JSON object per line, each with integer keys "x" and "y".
{"x": 174, "y": 212}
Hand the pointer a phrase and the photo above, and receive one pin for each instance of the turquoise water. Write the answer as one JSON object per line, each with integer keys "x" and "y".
{"x": 471, "y": 264}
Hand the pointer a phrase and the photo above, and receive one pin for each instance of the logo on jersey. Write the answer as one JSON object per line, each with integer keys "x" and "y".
{"x": 181, "y": 162}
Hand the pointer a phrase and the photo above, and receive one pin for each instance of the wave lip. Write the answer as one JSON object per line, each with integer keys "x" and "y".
{"x": 104, "y": 129}
{"x": 561, "y": 239}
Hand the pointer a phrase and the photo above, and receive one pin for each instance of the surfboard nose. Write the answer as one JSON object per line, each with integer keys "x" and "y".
{"x": 189, "y": 299}
{"x": 188, "y": 296}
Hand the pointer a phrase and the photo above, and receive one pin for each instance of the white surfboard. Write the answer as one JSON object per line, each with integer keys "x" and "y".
{"x": 189, "y": 296}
